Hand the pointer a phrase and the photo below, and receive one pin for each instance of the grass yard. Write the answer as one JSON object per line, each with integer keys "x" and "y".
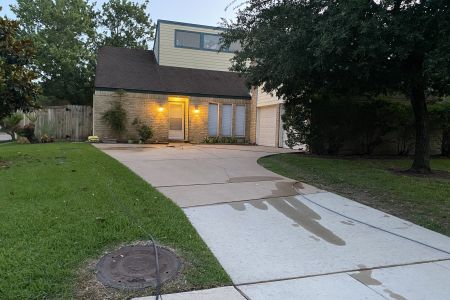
{"x": 58, "y": 212}
{"x": 422, "y": 200}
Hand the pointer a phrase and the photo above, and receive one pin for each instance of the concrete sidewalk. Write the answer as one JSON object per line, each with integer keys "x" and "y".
{"x": 278, "y": 239}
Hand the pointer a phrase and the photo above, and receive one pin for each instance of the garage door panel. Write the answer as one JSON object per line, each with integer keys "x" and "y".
{"x": 267, "y": 126}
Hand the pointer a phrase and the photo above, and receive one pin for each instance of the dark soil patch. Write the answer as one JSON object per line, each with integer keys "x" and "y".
{"x": 435, "y": 174}
{"x": 4, "y": 164}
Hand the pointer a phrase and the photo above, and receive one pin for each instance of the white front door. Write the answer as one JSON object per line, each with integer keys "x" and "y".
{"x": 176, "y": 121}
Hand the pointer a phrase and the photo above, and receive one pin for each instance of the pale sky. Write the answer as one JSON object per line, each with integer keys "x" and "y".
{"x": 205, "y": 12}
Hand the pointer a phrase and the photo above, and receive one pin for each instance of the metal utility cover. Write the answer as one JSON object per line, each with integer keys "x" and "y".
{"x": 134, "y": 267}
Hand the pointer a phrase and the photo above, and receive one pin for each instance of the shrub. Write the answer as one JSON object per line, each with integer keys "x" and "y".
{"x": 224, "y": 140}
{"x": 46, "y": 139}
{"x": 326, "y": 124}
{"x": 28, "y": 132}
{"x": 116, "y": 117}
{"x": 10, "y": 124}
{"x": 440, "y": 113}
{"x": 145, "y": 132}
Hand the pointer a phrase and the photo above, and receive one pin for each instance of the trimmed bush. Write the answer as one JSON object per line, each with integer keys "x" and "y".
{"x": 326, "y": 125}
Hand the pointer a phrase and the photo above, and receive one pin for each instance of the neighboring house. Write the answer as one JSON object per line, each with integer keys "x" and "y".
{"x": 182, "y": 88}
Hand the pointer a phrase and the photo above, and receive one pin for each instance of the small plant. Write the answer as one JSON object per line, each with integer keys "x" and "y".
{"x": 144, "y": 131}
{"x": 46, "y": 139}
{"x": 115, "y": 117}
{"x": 10, "y": 124}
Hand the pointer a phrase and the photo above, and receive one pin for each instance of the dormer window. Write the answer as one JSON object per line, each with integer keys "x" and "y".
{"x": 211, "y": 42}
{"x": 187, "y": 39}
{"x": 201, "y": 41}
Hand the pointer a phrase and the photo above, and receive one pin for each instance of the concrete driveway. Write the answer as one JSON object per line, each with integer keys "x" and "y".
{"x": 278, "y": 239}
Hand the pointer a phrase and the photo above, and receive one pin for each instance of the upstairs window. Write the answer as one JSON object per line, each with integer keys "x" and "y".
{"x": 187, "y": 39}
{"x": 202, "y": 41}
{"x": 211, "y": 42}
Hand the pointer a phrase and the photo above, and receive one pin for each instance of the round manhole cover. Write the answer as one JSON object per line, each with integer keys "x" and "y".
{"x": 134, "y": 267}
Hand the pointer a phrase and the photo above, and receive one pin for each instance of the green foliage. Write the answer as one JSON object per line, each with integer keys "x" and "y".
{"x": 116, "y": 117}
{"x": 125, "y": 24}
{"x": 327, "y": 124}
{"x": 145, "y": 132}
{"x": 441, "y": 111}
{"x": 28, "y": 132}
{"x": 63, "y": 32}
{"x": 18, "y": 90}
{"x": 300, "y": 49}
{"x": 11, "y": 124}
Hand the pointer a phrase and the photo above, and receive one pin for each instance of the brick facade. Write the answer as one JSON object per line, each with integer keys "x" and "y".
{"x": 146, "y": 106}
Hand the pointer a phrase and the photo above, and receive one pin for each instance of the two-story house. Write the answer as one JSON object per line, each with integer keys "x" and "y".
{"x": 183, "y": 89}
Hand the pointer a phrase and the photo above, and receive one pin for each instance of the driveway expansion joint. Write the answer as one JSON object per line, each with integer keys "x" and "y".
{"x": 344, "y": 272}
{"x": 375, "y": 227}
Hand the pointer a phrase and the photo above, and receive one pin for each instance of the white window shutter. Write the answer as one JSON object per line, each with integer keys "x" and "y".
{"x": 212, "y": 119}
{"x": 227, "y": 117}
{"x": 239, "y": 121}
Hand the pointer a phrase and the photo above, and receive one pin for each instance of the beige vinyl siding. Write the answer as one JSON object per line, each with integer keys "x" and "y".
{"x": 169, "y": 55}
{"x": 265, "y": 99}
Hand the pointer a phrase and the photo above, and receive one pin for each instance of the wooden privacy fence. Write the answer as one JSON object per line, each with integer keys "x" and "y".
{"x": 68, "y": 122}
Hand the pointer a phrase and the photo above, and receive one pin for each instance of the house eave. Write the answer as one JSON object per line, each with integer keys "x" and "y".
{"x": 174, "y": 93}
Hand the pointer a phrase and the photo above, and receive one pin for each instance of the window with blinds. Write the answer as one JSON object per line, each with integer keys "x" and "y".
{"x": 227, "y": 119}
{"x": 239, "y": 121}
{"x": 213, "y": 115}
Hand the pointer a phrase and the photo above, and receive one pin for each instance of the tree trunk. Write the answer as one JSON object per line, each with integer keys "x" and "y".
{"x": 421, "y": 162}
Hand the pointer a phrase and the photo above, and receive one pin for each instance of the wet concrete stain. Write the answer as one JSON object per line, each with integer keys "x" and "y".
{"x": 365, "y": 276}
{"x": 253, "y": 179}
{"x": 351, "y": 223}
{"x": 394, "y": 295}
{"x": 283, "y": 189}
{"x": 240, "y": 206}
{"x": 298, "y": 212}
{"x": 315, "y": 238}
{"x": 259, "y": 204}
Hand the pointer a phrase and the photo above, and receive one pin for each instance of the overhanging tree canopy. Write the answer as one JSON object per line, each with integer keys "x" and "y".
{"x": 18, "y": 90}
{"x": 301, "y": 48}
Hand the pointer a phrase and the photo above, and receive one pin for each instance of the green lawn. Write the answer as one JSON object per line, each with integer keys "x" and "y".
{"x": 424, "y": 201}
{"x": 58, "y": 212}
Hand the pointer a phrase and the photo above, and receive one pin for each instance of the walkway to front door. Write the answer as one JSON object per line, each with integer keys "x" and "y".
{"x": 278, "y": 240}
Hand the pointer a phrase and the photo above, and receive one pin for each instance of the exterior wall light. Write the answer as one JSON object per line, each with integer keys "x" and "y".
{"x": 161, "y": 108}
{"x": 196, "y": 110}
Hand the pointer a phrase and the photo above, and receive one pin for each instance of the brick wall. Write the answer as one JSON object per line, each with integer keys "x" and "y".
{"x": 146, "y": 107}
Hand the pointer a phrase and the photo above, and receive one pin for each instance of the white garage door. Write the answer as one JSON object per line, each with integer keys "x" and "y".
{"x": 267, "y": 126}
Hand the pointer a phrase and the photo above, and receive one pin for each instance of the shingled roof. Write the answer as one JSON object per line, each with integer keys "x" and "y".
{"x": 134, "y": 69}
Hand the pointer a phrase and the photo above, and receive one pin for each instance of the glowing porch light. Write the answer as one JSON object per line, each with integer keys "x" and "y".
{"x": 196, "y": 110}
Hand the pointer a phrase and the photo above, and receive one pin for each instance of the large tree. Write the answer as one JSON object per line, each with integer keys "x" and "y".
{"x": 63, "y": 32}
{"x": 125, "y": 24}
{"x": 18, "y": 90}
{"x": 302, "y": 48}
